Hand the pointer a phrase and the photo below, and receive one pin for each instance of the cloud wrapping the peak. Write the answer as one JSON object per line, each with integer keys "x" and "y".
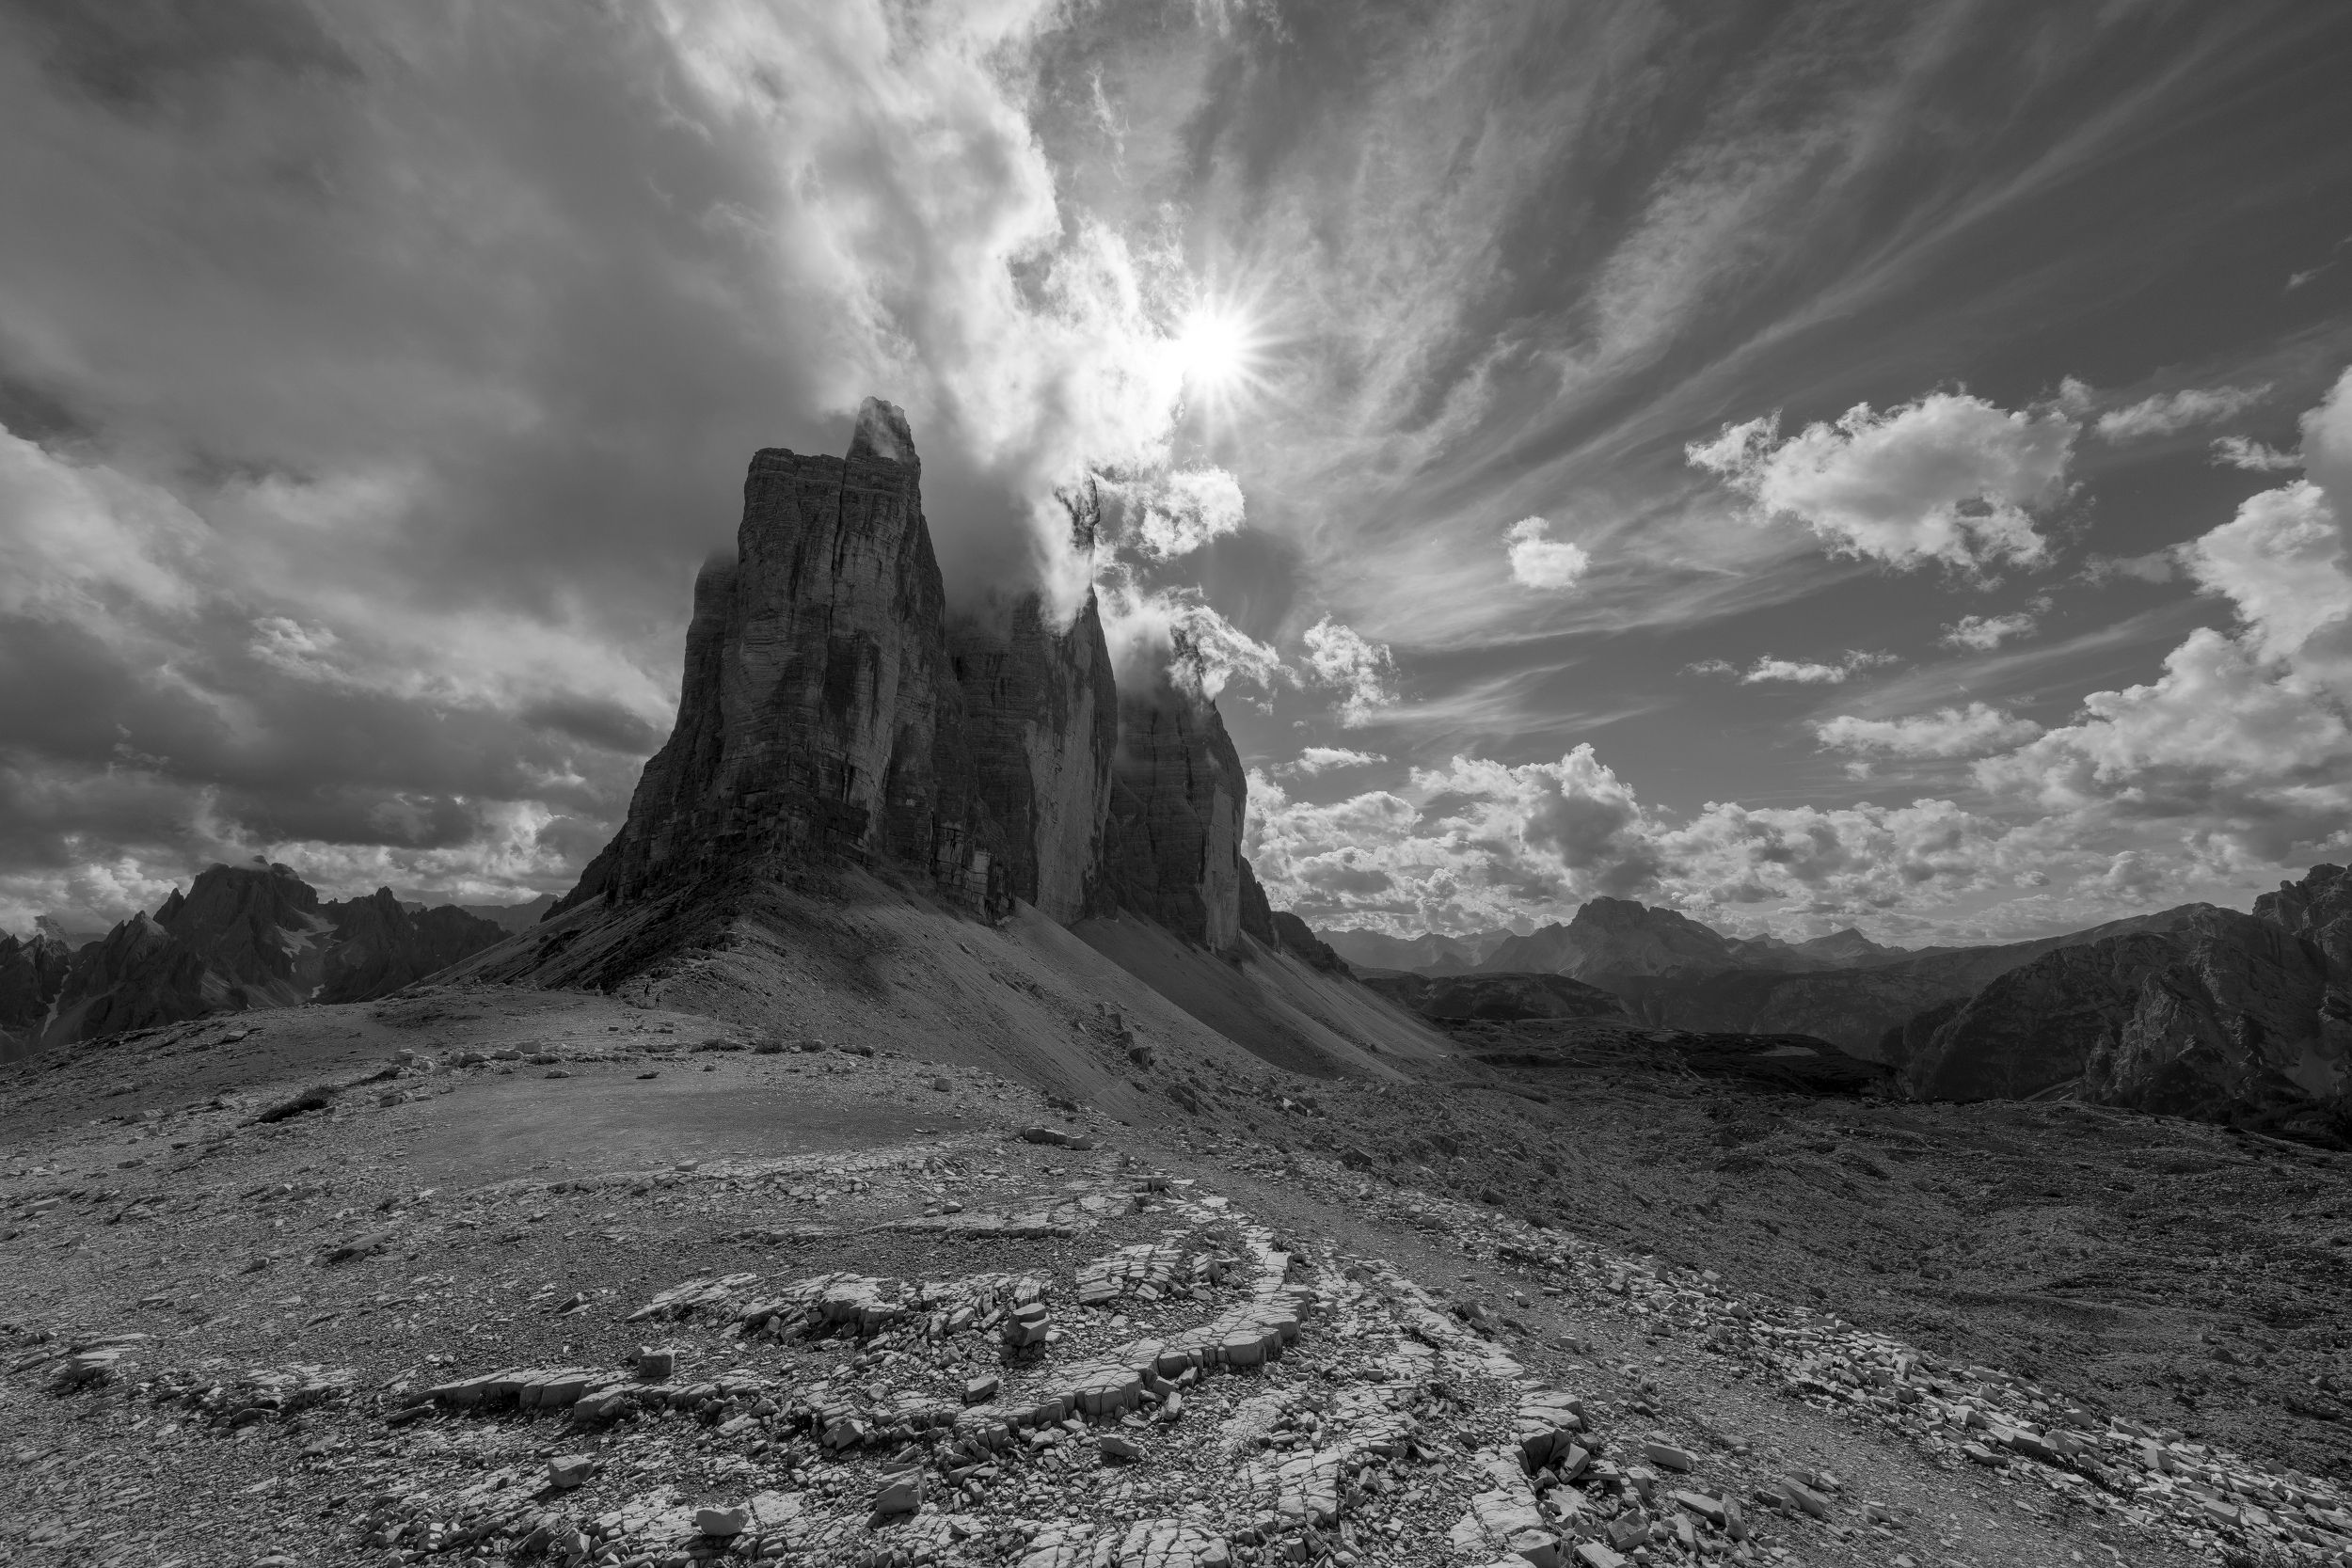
{"x": 1948, "y": 479}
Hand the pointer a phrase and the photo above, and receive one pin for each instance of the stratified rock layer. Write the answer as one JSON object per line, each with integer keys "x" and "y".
{"x": 827, "y": 712}
{"x": 1042, "y": 726}
{"x": 1172, "y": 851}
{"x": 816, "y": 664}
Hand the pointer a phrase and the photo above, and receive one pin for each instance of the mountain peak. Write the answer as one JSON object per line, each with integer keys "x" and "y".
{"x": 882, "y": 435}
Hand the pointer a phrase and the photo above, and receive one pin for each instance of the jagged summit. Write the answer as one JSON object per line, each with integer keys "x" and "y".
{"x": 882, "y": 435}
{"x": 833, "y": 711}
{"x": 238, "y": 938}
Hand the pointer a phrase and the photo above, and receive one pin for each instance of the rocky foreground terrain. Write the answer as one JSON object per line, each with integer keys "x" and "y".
{"x": 495, "y": 1274}
{"x": 915, "y": 1140}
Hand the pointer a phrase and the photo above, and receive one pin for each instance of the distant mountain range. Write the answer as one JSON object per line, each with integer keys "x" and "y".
{"x": 1426, "y": 954}
{"x": 2196, "y": 1010}
{"x": 240, "y": 937}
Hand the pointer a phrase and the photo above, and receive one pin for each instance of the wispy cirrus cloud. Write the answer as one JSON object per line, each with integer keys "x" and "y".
{"x": 2169, "y": 413}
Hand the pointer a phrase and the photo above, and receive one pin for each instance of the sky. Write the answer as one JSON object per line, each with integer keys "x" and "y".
{"x": 1806, "y": 464}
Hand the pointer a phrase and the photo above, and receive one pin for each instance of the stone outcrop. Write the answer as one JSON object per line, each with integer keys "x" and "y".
{"x": 833, "y": 711}
{"x": 1042, "y": 728}
{"x": 1172, "y": 848}
{"x": 253, "y": 937}
{"x": 828, "y": 714}
{"x": 2220, "y": 1016}
{"x": 810, "y": 716}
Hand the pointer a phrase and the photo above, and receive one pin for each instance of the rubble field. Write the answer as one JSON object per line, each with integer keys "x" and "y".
{"x": 511, "y": 1276}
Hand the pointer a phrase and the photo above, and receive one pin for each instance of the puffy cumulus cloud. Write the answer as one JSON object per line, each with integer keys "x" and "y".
{"x": 1768, "y": 669}
{"x": 1478, "y": 843}
{"x": 1172, "y": 512}
{"x": 1949, "y": 479}
{"x": 1473, "y": 844}
{"x": 1539, "y": 560}
{"x": 2244, "y": 743}
{"x": 2169, "y": 413}
{"x": 1362, "y": 672}
{"x": 379, "y": 375}
{"x": 1847, "y": 860}
{"x": 1313, "y": 760}
{"x": 1948, "y": 731}
{"x": 1983, "y": 633}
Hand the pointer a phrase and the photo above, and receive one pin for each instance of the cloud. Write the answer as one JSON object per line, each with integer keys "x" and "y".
{"x": 2169, "y": 413}
{"x": 374, "y": 388}
{"x": 1364, "y": 672}
{"x": 1949, "y": 732}
{"x": 1768, "y": 669}
{"x": 1313, "y": 760}
{"x": 1173, "y": 512}
{"x": 2239, "y": 452}
{"x": 2154, "y": 566}
{"x": 1176, "y": 630}
{"x": 1983, "y": 633}
{"x": 2244, "y": 743}
{"x": 1948, "y": 478}
{"x": 1539, "y": 560}
{"x": 1478, "y": 843}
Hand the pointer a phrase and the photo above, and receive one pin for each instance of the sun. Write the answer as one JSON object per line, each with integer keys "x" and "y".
{"x": 1215, "y": 348}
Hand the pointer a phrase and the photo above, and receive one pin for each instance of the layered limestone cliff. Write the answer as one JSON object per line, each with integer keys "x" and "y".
{"x": 1172, "y": 848}
{"x": 1041, "y": 726}
{"x": 827, "y": 712}
{"x": 830, "y": 710}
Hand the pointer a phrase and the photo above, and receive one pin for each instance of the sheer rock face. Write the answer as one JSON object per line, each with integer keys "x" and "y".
{"x": 811, "y": 714}
{"x": 1042, "y": 724}
{"x": 826, "y": 712}
{"x": 1172, "y": 852}
{"x": 139, "y": 977}
{"x": 2222, "y": 1015}
{"x": 32, "y": 972}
